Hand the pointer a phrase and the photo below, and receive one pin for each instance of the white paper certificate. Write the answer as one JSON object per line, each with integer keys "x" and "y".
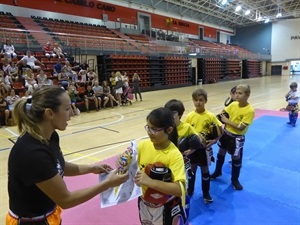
{"x": 126, "y": 191}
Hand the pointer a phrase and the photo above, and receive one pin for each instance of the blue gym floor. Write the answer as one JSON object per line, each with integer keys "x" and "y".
{"x": 270, "y": 176}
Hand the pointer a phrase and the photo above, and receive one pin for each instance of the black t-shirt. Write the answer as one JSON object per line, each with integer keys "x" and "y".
{"x": 30, "y": 162}
{"x": 3, "y": 108}
{"x": 89, "y": 93}
{"x": 84, "y": 66}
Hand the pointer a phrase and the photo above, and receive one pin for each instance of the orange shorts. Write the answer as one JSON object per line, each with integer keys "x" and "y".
{"x": 53, "y": 219}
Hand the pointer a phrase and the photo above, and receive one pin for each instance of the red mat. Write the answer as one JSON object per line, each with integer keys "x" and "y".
{"x": 90, "y": 213}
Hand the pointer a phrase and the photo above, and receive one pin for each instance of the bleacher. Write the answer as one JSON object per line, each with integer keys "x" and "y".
{"x": 219, "y": 49}
{"x": 83, "y": 35}
{"x": 11, "y": 28}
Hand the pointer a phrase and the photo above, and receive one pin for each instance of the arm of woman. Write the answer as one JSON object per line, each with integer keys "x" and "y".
{"x": 72, "y": 169}
{"x": 56, "y": 189}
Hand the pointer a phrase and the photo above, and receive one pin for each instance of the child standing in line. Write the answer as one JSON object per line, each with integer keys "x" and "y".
{"x": 241, "y": 115}
{"x": 201, "y": 119}
{"x": 292, "y": 97}
{"x": 160, "y": 203}
{"x": 189, "y": 144}
{"x": 227, "y": 102}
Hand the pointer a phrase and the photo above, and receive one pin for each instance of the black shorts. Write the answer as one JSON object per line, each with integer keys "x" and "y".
{"x": 102, "y": 96}
{"x": 232, "y": 143}
{"x": 198, "y": 157}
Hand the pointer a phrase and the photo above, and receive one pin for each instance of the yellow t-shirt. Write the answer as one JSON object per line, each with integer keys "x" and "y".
{"x": 113, "y": 81}
{"x": 185, "y": 130}
{"x": 238, "y": 115}
{"x": 202, "y": 121}
{"x": 171, "y": 157}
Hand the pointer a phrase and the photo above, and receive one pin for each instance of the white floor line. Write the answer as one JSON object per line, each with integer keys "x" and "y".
{"x": 104, "y": 150}
{"x": 10, "y": 131}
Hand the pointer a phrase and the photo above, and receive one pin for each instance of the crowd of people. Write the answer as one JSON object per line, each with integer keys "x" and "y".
{"x": 80, "y": 81}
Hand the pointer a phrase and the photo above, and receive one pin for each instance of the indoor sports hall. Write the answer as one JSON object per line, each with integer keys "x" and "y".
{"x": 174, "y": 54}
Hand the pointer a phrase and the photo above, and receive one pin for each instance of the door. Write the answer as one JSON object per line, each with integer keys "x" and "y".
{"x": 276, "y": 70}
{"x": 144, "y": 23}
{"x": 201, "y": 33}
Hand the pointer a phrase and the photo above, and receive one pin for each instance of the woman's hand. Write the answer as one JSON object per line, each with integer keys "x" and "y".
{"x": 103, "y": 168}
{"x": 115, "y": 179}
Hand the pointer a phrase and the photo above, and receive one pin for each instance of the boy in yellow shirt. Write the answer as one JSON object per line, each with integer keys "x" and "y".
{"x": 241, "y": 115}
{"x": 201, "y": 119}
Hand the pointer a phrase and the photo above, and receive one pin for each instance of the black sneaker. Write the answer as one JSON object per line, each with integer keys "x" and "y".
{"x": 207, "y": 198}
{"x": 237, "y": 185}
{"x": 215, "y": 175}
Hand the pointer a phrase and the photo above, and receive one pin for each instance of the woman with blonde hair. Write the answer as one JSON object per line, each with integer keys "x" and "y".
{"x": 36, "y": 166}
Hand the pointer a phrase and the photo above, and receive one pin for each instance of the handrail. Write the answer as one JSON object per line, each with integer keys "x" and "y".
{"x": 100, "y": 45}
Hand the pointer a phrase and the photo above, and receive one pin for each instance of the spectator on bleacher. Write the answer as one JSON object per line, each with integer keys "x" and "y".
{"x": 42, "y": 79}
{"x": 107, "y": 92}
{"x": 49, "y": 50}
{"x": 58, "y": 51}
{"x": 82, "y": 77}
{"x": 27, "y": 94}
{"x": 9, "y": 50}
{"x": 22, "y": 71}
{"x": 70, "y": 72}
{"x": 31, "y": 61}
{"x": 57, "y": 68}
{"x": 5, "y": 85}
{"x": 89, "y": 95}
{"x": 92, "y": 76}
{"x": 63, "y": 78}
{"x": 73, "y": 97}
{"x": 30, "y": 82}
{"x": 98, "y": 90}
{"x": 4, "y": 111}
{"x": 6, "y": 69}
{"x": 11, "y": 99}
{"x": 84, "y": 66}
{"x": 14, "y": 72}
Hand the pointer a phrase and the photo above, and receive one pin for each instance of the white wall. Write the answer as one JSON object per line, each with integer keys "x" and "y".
{"x": 282, "y": 46}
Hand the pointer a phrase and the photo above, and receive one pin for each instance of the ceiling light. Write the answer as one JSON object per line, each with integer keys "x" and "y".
{"x": 267, "y": 20}
{"x": 279, "y": 15}
{"x": 247, "y": 12}
{"x": 238, "y": 8}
